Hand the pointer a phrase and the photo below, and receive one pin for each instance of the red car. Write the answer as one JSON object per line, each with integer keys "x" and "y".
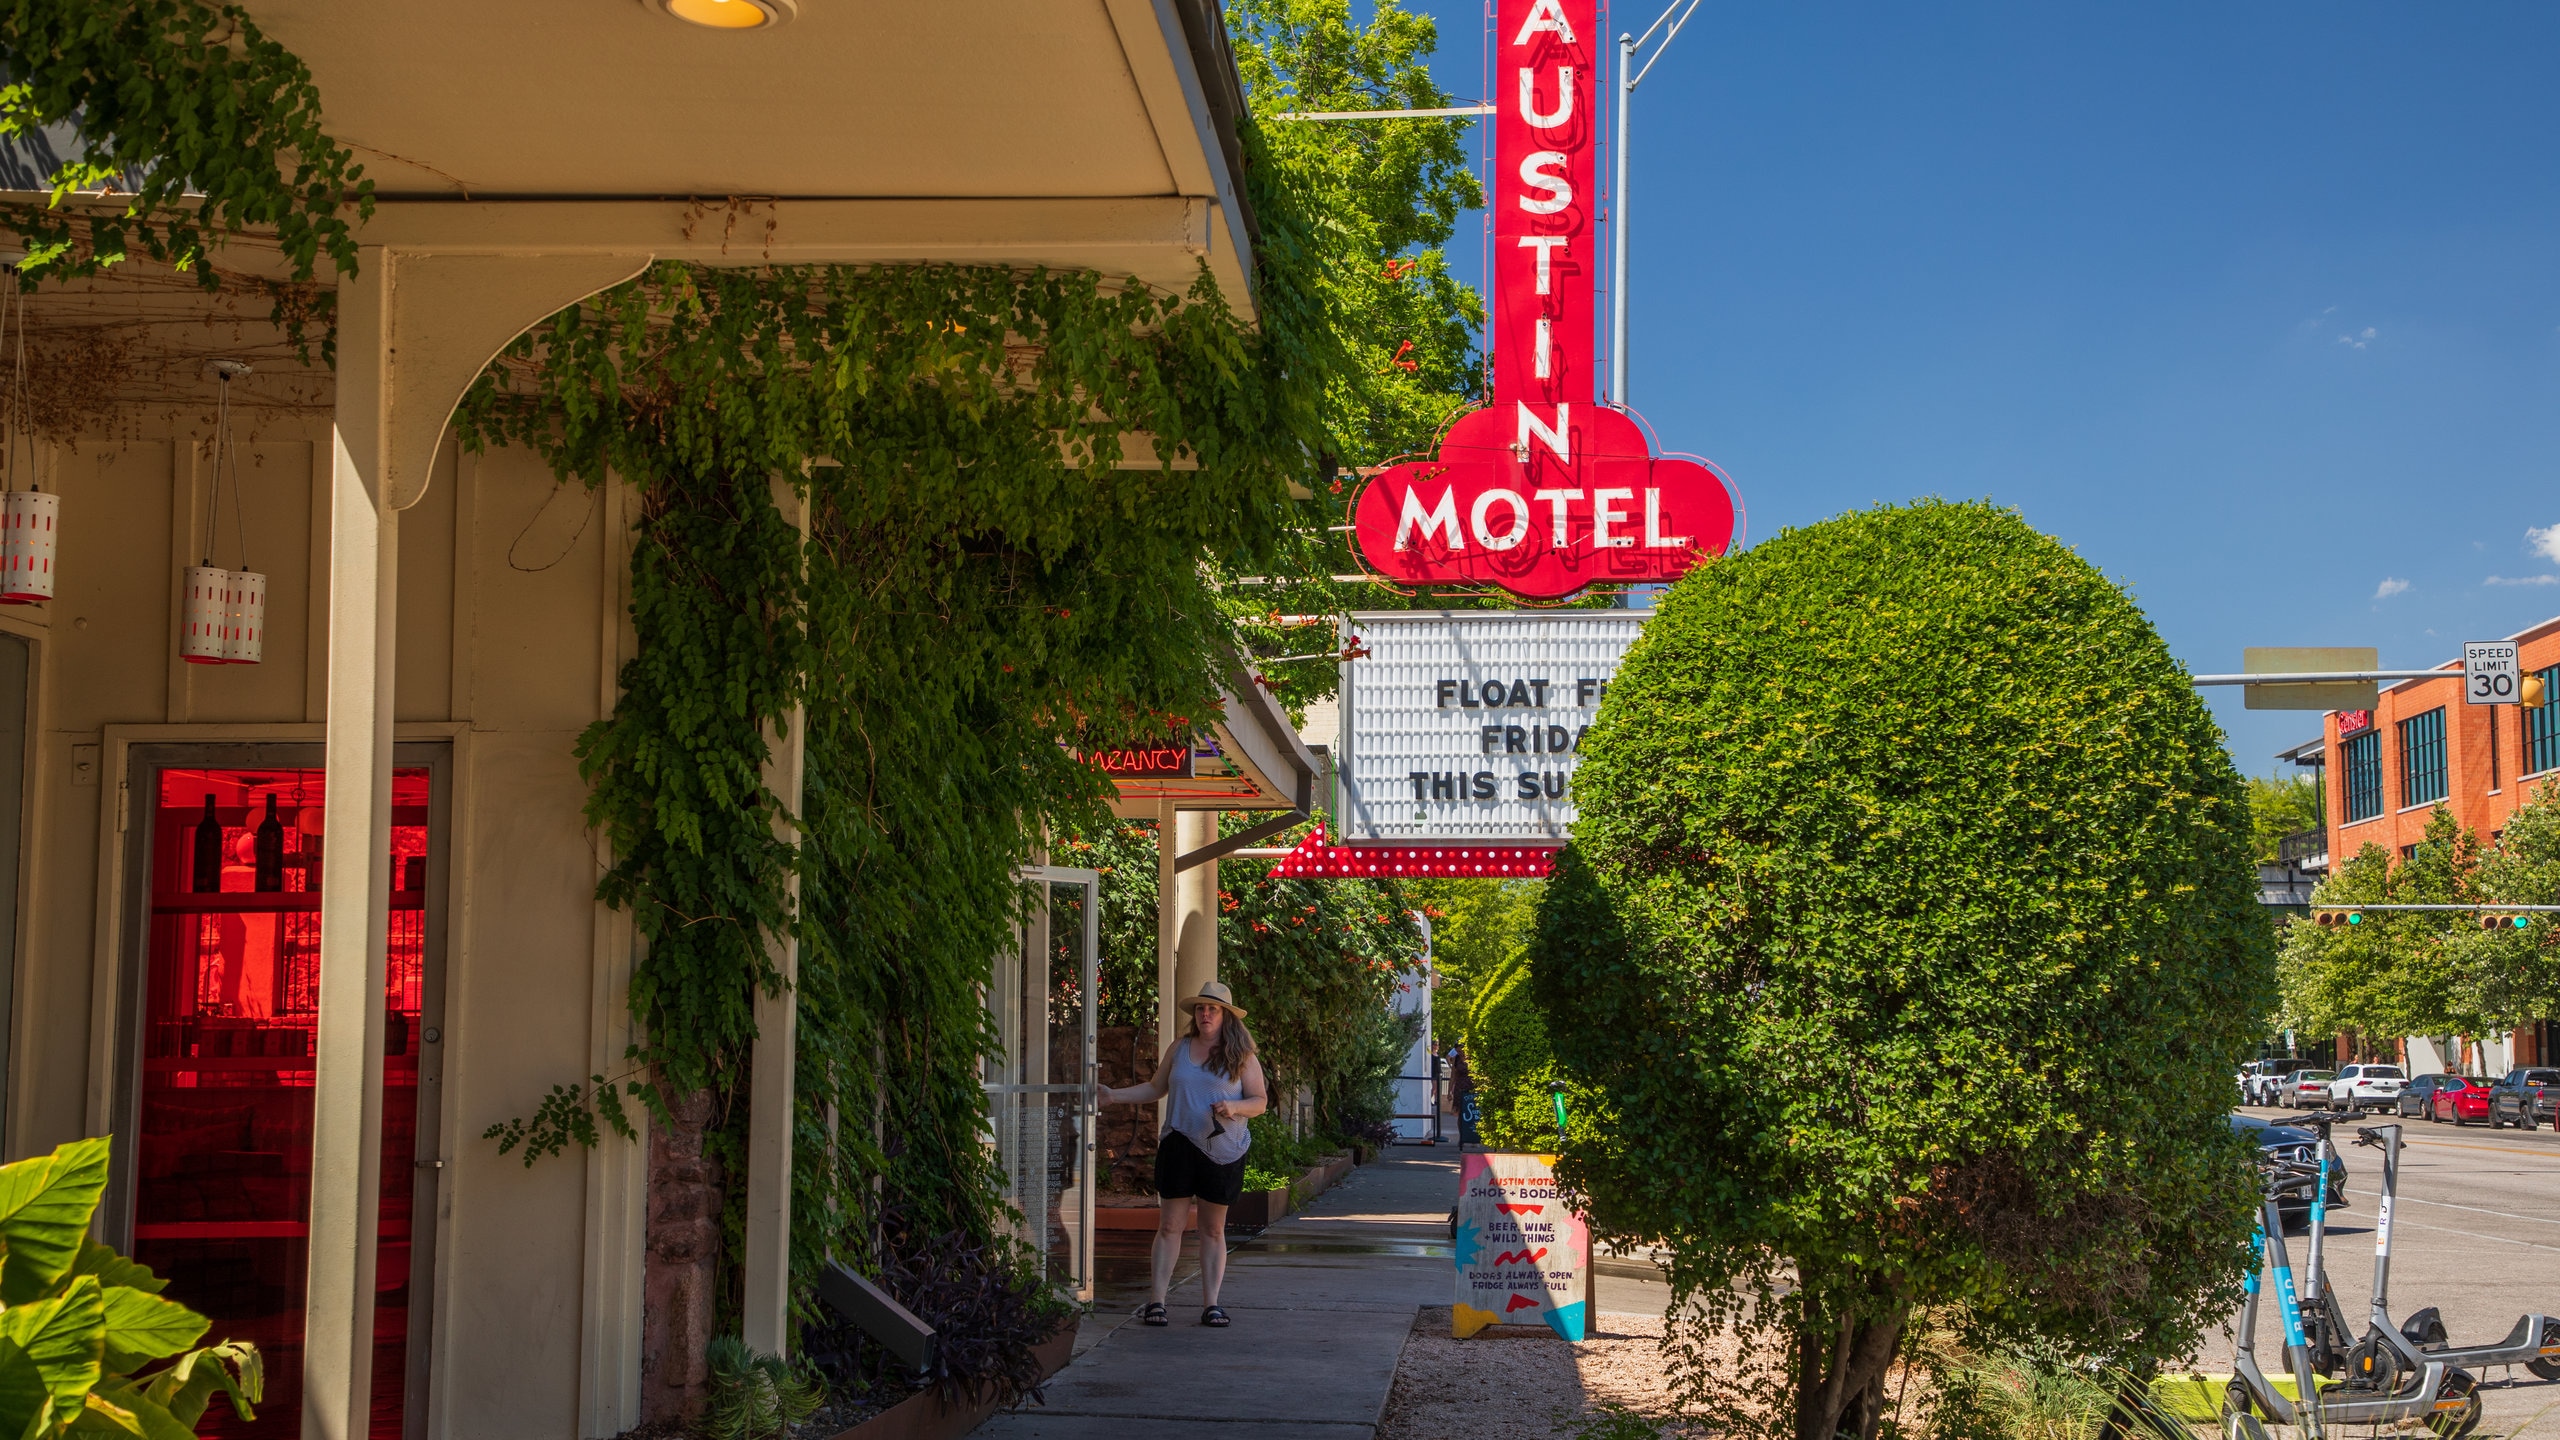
{"x": 2460, "y": 1099}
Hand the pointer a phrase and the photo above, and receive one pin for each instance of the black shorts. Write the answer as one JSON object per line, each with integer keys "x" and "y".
{"x": 1183, "y": 1173}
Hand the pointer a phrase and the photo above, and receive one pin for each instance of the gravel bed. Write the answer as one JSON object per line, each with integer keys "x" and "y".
{"x": 1537, "y": 1385}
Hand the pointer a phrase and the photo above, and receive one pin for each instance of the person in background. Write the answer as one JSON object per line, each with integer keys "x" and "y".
{"x": 1212, "y": 1084}
{"x": 1463, "y": 1085}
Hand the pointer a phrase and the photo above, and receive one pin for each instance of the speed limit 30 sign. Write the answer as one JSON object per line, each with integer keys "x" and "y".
{"x": 2491, "y": 674}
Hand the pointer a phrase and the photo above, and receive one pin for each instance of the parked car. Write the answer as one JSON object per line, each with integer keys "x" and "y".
{"x": 2415, "y": 1095}
{"x": 2292, "y": 1143}
{"x": 2460, "y": 1099}
{"x": 2524, "y": 1097}
{"x": 2305, "y": 1090}
{"x": 2260, "y": 1080}
{"x": 2367, "y": 1087}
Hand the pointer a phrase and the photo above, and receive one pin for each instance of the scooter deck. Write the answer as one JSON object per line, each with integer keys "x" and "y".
{"x": 2523, "y": 1343}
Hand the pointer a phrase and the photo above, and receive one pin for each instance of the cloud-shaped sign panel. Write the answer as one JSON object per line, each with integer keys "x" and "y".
{"x": 1543, "y": 510}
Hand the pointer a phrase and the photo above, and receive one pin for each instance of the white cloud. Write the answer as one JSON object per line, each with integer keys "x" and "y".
{"x": 2543, "y": 540}
{"x": 2522, "y": 580}
{"x": 2358, "y": 341}
{"x": 2389, "y": 588}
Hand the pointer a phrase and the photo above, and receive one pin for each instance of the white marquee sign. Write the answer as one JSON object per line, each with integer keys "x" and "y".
{"x": 1465, "y": 725}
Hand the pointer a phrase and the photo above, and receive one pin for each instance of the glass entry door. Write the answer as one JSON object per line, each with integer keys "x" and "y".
{"x": 1040, "y": 1098}
{"x": 220, "y": 1104}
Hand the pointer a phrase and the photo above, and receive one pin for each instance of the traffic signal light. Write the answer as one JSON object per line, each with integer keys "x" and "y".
{"x": 2338, "y": 917}
{"x": 2531, "y": 694}
{"x": 2501, "y": 922}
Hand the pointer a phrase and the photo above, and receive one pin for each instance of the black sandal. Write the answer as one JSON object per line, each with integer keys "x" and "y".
{"x": 1152, "y": 1313}
{"x": 1215, "y": 1318}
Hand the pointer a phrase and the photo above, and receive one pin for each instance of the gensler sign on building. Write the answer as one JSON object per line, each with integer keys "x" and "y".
{"x": 1544, "y": 491}
{"x": 1466, "y": 725}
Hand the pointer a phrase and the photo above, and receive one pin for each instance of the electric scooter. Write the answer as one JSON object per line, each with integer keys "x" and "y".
{"x": 2444, "y": 1397}
{"x": 2387, "y": 1349}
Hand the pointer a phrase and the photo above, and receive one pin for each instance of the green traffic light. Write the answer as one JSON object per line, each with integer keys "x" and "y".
{"x": 2520, "y": 921}
{"x": 2354, "y": 918}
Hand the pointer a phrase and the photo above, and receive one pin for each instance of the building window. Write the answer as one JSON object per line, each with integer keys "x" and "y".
{"x": 2542, "y": 727}
{"x": 2363, "y": 764}
{"x": 2422, "y": 758}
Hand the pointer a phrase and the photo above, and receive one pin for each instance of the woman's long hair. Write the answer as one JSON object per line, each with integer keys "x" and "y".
{"x": 1230, "y": 1050}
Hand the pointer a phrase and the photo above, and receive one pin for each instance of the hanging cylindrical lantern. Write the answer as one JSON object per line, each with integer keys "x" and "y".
{"x": 206, "y": 615}
{"x": 224, "y": 621}
{"x": 245, "y": 640}
{"x": 27, "y": 519}
{"x": 27, "y": 514}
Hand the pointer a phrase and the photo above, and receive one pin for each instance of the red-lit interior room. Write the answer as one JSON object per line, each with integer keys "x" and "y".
{"x": 221, "y": 1184}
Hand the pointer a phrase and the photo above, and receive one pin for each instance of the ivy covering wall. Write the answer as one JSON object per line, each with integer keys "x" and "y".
{"x": 980, "y": 581}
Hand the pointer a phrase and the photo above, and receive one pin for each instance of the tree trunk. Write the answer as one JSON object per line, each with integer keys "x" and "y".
{"x": 1841, "y": 1361}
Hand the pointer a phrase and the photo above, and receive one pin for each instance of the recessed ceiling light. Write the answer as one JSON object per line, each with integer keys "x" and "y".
{"x": 730, "y": 14}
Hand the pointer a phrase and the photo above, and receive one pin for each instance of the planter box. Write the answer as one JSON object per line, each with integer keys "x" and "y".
{"x": 1257, "y": 1208}
{"x": 927, "y": 1416}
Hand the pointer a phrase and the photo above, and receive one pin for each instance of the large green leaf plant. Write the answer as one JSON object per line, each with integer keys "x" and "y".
{"x": 82, "y": 1327}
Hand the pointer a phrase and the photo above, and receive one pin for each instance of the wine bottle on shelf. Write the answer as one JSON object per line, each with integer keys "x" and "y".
{"x": 270, "y": 851}
{"x": 208, "y": 856}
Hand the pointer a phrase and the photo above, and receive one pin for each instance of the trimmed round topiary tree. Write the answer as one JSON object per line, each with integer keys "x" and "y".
{"x": 1909, "y": 937}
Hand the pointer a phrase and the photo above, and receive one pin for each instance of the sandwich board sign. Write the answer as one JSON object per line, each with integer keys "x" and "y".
{"x": 1522, "y": 1257}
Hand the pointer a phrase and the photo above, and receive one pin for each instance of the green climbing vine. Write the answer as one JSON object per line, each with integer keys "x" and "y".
{"x": 982, "y": 586}
{"x": 189, "y": 125}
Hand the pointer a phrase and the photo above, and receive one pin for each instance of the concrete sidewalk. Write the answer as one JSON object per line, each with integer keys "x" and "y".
{"x": 1322, "y": 1304}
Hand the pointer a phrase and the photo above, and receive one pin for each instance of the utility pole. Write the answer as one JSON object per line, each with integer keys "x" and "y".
{"x": 1627, "y": 48}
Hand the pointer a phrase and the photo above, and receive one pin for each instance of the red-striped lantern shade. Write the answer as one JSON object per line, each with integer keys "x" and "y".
{"x": 27, "y": 520}
{"x": 204, "y": 621}
{"x": 244, "y": 640}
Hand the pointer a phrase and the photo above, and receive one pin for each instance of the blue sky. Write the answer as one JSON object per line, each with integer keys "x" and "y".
{"x": 2257, "y": 306}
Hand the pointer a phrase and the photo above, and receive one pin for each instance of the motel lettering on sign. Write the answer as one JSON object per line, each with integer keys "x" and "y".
{"x": 1544, "y": 491}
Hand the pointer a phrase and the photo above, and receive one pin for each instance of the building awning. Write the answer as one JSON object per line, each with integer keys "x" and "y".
{"x": 1011, "y": 113}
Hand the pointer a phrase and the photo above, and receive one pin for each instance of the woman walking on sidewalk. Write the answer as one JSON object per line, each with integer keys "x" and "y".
{"x": 1211, "y": 1083}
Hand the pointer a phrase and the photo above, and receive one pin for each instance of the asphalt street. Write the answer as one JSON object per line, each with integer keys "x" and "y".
{"x": 2476, "y": 1233}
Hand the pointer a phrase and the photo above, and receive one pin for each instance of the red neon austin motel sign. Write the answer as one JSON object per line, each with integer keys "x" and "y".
{"x": 1543, "y": 491}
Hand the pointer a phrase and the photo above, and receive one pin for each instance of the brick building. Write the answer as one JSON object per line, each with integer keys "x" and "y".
{"x": 2419, "y": 747}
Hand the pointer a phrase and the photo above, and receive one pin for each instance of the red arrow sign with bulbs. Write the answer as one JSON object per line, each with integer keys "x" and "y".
{"x": 1544, "y": 491}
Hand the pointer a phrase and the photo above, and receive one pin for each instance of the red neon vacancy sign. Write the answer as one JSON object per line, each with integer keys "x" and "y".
{"x": 1544, "y": 491}
{"x": 1143, "y": 762}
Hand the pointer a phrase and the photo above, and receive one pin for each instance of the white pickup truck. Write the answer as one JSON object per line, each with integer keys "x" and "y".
{"x": 2367, "y": 1087}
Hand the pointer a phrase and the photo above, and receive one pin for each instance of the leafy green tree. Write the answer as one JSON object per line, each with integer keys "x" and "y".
{"x": 1910, "y": 933}
{"x": 2280, "y": 806}
{"x": 1318, "y": 962}
{"x": 2389, "y": 974}
{"x": 1477, "y": 928}
{"x": 1390, "y": 192}
{"x": 81, "y": 1326}
{"x": 2510, "y": 976}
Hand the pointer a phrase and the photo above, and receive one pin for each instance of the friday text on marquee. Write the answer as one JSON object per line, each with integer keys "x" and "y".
{"x": 1544, "y": 491}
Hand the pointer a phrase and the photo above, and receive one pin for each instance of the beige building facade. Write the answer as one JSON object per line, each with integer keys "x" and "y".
{"x": 299, "y": 1028}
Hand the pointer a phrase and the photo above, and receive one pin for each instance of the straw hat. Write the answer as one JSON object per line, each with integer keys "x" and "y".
{"x": 1216, "y": 994}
